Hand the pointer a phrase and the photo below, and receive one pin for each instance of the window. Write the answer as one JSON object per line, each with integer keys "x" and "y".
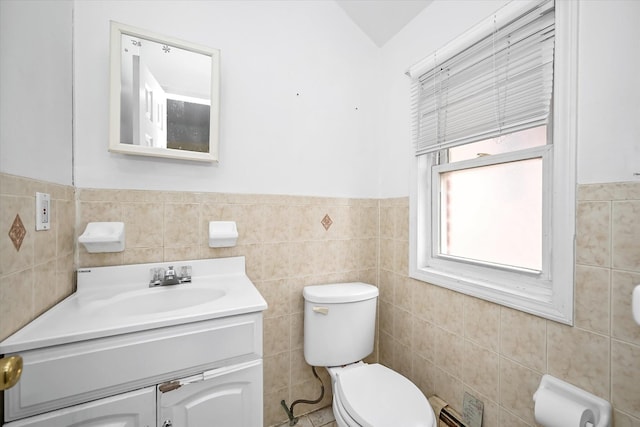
{"x": 493, "y": 186}
{"x": 502, "y": 193}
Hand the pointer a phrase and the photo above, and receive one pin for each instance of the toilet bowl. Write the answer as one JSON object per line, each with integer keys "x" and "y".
{"x": 376, "y": 396}
{"x": 339, "y": 329}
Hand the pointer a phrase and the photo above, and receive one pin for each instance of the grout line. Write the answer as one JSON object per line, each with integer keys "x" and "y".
{"x": 610, "y": 267}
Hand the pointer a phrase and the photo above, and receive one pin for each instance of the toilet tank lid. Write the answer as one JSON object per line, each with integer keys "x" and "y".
{"x": 339, "y": 292}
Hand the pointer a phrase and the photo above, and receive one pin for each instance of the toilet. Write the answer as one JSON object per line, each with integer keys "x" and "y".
{"x": 339, "y": 329}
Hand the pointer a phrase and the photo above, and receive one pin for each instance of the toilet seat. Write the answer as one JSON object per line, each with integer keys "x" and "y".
{"x": 375, "y": 396}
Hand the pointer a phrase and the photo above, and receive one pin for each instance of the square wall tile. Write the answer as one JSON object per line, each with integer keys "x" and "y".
{"x": 403, "y": 361}
{"x": 507, "y": 419}
{"x": 300, "y": 370}
{"x": 449, "y": 352}
{"x": 182, "y": 253}
{"x": 273, "y": 369}
{"x": 447, "y": 309}
{"x": 517, "y": 385}
{"x": 402, "y": 326}
{"x": 625, "y": 371}
{"x": 250, "y": 220}
{"x": 45, "y": 248}
{"x": 402, "y": 222}
{"x": 16, "y": 292}
{"x": 143, "y": 255}
{"x": 593, "y": 233}
{"x": 523, "y": 338}
{"x": 592, "y": 290}
{"x": 424, "y": 295}
{"x": 65, "y": 227}
{"x": 45, "y": 292}
{"x": 273, "y": 413}
{"x": 387, "y": 222}
{"x": 449, "y": 388}
{"x": 481, "y": 370}
{"x": 65, "y": 276}
{"x": 277, "y": 335}
{"x": 579, "y": 357}
{"x": 622, "y": 324}
{"x": 276, "y": 293}
{"x": 482, "y": 322}
{"x": 424, "y": 339}
{"x": 620, "y": 419}
{"x": 311, "y": 388}
{"x": 424, "y": 375}
{"x": 181, "y": 225}
{"x": 144, "y": 226}
{"x": 98, "y": 211}
{"x": 387, "y": 254}
{"x": 404, "y": 287}
{"x": 625, "y": 235}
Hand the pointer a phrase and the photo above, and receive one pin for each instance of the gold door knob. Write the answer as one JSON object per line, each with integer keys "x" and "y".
{"x": 10, "y": 369}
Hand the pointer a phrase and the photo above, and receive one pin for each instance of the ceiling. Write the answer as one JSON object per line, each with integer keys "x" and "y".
{"x": 380, "y": 20}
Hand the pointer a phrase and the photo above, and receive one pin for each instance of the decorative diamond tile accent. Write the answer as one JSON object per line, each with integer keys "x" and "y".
{"x": 326, "y": 222}
{"x": 17, "y": 232}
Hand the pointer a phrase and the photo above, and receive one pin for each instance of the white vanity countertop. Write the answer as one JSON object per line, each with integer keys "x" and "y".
{"x": 118, "y": 300}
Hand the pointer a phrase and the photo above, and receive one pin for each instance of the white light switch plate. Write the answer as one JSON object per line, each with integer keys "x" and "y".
{"x": 43, "y": 211}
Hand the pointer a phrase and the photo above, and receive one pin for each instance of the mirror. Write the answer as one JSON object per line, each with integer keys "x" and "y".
{"x": 164, "y": 96}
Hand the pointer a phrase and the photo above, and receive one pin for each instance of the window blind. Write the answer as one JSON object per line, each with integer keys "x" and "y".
{"x": 499, "y": 82}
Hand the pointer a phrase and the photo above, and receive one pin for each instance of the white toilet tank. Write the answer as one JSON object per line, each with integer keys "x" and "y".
{"x": 339, "y": 323}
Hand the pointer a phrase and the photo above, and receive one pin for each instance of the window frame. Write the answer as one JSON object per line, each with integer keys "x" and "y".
{"x": 550, "y": 293}
{"x": 446, "y": 262}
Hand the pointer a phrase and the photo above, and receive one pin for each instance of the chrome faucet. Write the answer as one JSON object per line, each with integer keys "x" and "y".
{"x": 170, "y": 276}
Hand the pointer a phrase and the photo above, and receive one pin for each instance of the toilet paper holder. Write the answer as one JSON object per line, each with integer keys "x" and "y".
{"x": 550, "y": 385}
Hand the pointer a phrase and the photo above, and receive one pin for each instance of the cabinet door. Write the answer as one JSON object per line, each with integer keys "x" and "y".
{"x": 134, "y": 409}
{"x": 225, "y": 397}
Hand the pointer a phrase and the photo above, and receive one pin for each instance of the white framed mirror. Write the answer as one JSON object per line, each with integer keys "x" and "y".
{"x": 164, "y": 96}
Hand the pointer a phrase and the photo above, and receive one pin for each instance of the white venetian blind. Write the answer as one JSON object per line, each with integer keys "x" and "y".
{"x": 494, "y": 80}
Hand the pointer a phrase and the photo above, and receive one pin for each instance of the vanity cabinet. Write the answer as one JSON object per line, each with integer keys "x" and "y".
{"x": 119, "y": 352}
{"x": 221, "y": 397}
{"x": 192, "y": 375}
{"x": 133, "y": 409}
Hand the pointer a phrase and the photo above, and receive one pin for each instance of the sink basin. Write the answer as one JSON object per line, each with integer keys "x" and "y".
{"x": 156, "y": 300}
{"x": 116, "y": 300}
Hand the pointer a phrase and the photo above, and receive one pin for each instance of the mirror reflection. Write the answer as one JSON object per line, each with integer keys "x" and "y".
{"x": 166, "y": 94}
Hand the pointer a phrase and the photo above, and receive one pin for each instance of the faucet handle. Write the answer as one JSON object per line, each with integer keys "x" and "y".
{"x": 156, "y": 275}
{"x": 185, "y": 273}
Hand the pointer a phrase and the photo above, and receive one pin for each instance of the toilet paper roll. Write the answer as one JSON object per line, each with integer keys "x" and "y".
{"x": 555, "y": 410}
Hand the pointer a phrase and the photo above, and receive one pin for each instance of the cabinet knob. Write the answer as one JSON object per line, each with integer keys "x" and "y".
{"x": 167, "y": 423}
{"x": 10, "y": 371}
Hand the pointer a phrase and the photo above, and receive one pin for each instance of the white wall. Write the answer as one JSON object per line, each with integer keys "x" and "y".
{"x": 609, "y": 94}
{"x": 273, "y": 141}
{"x": 297, "y": 110}
{"x": 609, "y": 91}
{"x": 35, "y": 89}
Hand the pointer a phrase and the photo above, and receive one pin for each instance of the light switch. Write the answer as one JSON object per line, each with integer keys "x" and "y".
{"x": 43, "y": 211}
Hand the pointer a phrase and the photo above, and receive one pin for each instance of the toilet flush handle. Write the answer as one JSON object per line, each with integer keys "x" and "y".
{"x": 321, "y": 310}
